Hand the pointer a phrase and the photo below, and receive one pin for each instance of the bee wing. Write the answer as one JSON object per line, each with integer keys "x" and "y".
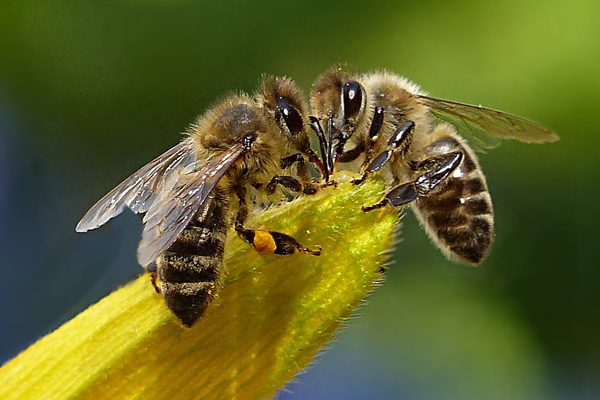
{"x": 169, "y": 189}
{"x": 483, "y": 127}
{"x": 182, "y": 196}
{"x": 139, "y": 190}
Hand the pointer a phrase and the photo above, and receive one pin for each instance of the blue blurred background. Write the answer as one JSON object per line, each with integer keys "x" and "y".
{"x": 90, "y": 91}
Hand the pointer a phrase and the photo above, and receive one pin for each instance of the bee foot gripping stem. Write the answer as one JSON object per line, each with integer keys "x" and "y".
{"x": 271, "y": 242}
{"x": 441, "y": 168}
{"x": 152, "y": 270}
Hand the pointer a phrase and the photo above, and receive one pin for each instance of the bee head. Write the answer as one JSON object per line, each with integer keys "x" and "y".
{"x": 283, "y": 102}
{"x": 339, "y": 102}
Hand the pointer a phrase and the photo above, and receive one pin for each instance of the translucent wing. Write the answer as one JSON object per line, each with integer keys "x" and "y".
{"x": 139, "y": 190}
{"x": 170, "y": 190}
{"x": 180, "y": 198}
{"x": 483, "y": 127}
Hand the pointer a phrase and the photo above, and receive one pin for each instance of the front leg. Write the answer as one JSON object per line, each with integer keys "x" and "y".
{"x": 299, "y": 160}
{"x": 339, "y": 154}
{"x": 302, "y": 184}
{"x": 399, "y": 142}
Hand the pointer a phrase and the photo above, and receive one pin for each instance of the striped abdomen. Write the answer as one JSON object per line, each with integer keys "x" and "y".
{"x": 458, "y": 215}
{"x": 190, "y": 270}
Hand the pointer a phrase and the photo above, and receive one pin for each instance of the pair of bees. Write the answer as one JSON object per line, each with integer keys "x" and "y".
{"x": 192, "y": 194}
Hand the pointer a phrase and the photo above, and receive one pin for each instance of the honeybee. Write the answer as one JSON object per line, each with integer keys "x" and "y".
{"x": 382, "y": 120}
{"x": 191, "y": 194}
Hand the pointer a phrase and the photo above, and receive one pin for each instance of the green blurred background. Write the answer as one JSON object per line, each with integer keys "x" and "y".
{"x": 90, "y": 91}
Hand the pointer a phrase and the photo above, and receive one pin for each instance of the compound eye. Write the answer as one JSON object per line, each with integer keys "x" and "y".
{"x": 290, "y": 115}
{"x": 352, "y": 98}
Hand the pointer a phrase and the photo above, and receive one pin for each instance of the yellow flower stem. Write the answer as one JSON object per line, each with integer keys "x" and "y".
{"x": 272, "y": 316}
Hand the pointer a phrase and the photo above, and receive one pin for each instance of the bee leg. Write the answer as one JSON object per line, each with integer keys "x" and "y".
{"x": 288, "y": 182}
{"x": 399, "y": 141}
{"x": 376, "y": 124}
{"x": 271, "y": 242}
{"x": 305, "y": 184}
{"x": 439, "y": 168}
{"x": 363, "y": 146}
{"x": 266, "y": 242}
{"x": 152, "y": 270}
{"x": 295, "y": 185}
{"x": 298, "y": 159}
{"x": 398, "y": 196}
{"x": 337, "y": 152}
{"x": 374, "y": 131}
{"x": 348, "y": 155}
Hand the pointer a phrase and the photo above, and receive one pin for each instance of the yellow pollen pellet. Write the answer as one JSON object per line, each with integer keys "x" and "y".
{"x": 264, "y": 243}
